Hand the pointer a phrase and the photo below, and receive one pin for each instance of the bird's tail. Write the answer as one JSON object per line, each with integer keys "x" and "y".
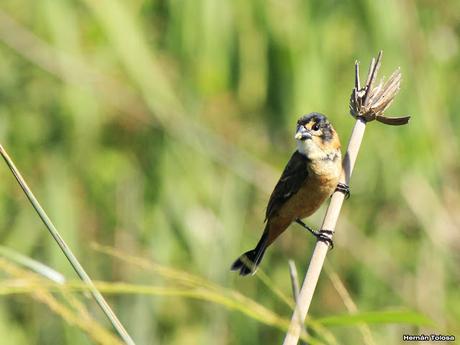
{"x": 249, "y": 261}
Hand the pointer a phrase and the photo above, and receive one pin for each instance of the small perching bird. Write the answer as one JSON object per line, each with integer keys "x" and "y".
{"x": 309, "y": 178}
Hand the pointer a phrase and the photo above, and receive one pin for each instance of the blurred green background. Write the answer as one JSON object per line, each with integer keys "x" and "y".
{"x": 159, "y": 128}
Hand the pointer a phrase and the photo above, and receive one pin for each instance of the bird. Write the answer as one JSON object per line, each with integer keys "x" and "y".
{"x": 310, "y": 177}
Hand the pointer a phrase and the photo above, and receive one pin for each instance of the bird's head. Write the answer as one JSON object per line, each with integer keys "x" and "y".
{"x": 315, "y": 136}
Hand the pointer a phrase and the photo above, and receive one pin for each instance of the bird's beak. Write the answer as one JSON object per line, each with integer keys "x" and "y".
{"x": 302, "y": 134}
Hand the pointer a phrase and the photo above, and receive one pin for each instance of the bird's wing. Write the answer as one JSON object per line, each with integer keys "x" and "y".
{"x": 292, "y": 178}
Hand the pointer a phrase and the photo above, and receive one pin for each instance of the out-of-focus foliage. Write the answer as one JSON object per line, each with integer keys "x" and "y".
{"x": 160, "y": 127}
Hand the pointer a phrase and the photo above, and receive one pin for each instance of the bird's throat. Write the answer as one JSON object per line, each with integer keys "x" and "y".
{"x": 320, "y": 162}
{"x": 309, "y": 149}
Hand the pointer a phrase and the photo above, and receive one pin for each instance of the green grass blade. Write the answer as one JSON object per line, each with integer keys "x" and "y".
{"x": 33, "y": 265}
{"x": 67, "y": 252}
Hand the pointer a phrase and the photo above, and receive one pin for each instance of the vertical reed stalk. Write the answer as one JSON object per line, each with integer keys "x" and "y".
{"x": 366, "y": 104}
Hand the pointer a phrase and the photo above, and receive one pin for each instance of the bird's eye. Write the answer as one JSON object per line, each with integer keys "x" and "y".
{"x": 315, "y": 127}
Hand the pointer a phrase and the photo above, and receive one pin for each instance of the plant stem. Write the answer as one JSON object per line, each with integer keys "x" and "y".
{"x": 366, "y": 104}
{"x": 67, "y": 252}
{"x": 321, "y": 248}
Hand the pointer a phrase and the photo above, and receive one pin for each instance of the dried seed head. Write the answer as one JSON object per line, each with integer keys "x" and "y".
{"x": 369, "y": 103}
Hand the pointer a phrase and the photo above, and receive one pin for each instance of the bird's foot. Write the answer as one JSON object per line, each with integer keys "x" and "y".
{"x": 325, "y": 236}
{"x": 322, "y": 235}
{"x": 343, "y": 188}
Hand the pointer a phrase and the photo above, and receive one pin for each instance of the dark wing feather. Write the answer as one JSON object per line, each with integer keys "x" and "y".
{"x": 292, "y": 178}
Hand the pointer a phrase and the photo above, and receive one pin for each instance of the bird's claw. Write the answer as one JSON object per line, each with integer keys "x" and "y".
{"x": 324, "y": 236}
{"x": 343, "y": 188}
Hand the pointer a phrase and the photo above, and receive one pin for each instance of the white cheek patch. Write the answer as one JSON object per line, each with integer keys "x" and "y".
{"x": 310, "y": 149}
